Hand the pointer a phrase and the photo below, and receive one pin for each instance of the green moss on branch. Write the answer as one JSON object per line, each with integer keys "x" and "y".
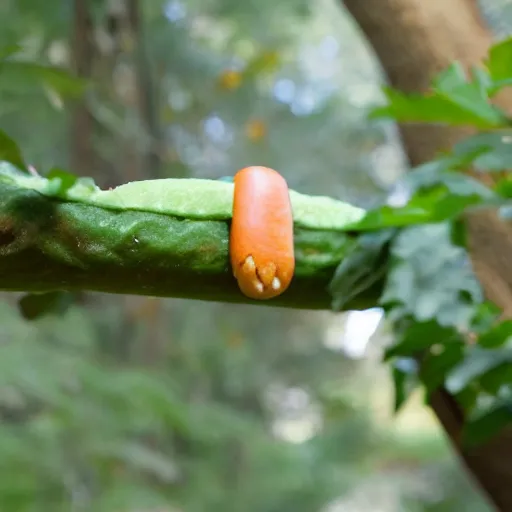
{"x": 48, "y": 243}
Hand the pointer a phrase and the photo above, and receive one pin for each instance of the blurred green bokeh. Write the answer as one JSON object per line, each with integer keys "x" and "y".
{"x": 144, "y": 405}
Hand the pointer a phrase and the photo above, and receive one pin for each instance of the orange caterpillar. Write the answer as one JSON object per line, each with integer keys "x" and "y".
{"x": 261, "y": 238}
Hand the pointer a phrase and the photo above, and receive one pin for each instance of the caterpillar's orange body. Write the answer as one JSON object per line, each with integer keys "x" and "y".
{"x": 261, "y": 239}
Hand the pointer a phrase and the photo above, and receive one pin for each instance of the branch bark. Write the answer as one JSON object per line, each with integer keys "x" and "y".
{"x": 48, "y": 244}
{"x": 414, "y": 40}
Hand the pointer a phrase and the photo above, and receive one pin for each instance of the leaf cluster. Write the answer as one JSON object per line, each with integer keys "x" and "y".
{"x": 446, "y": 332}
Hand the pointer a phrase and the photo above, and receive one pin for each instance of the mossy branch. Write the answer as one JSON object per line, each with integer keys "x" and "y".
{"x": 72, "y": 241}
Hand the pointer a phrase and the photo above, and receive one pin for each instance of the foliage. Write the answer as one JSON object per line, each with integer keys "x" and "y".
{"x": 116, "y": 403}
{"x": 431, "y": 293}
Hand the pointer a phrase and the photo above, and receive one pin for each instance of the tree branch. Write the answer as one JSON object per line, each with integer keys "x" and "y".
{"x": 50, "y": 243}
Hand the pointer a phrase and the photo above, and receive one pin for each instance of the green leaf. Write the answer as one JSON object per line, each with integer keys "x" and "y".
{"x": 404, "y": 372}
{"x": 497, "y": 379}
{"x": 435, "y": 205}
{"x": 451, "y": 79}
{"x": 437, "y": 365}
{"x": 483, "y": 80}
{"x": 35, "y": 305}
{"x": 10, "y": 152}
{"x": 499, "y": 64}
{"x": 59, "y": 182}
{"x": 361, "y": 268}
{"x": 496, "y": 336}
{"x": 439, "y": 173}
{"x": 438, "y": 196}
{"x": 468, "y": 95}
{"x": 431, "y": 278}
{"x": 461, "y": 106}
{"x": 417, "y": 108}
{"x": 504, "y": 189}
{"x": 468, "y": 397}
{"x": 487, "y": 422}
{"x": 436, "y": 172}
{"x": 492, "y": 151}
{"x": 485, "y": 317}
{"x": 476, "y": 363}
{"x": 459, "y": 233}
{"x": 420, "y": 336}
{"x": 453, "y": 99}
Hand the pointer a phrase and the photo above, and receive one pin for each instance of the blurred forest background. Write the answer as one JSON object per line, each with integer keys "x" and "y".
{"x": 132, "y": 404}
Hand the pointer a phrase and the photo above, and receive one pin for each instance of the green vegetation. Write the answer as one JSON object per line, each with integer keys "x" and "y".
{"x": 134, "y": 403}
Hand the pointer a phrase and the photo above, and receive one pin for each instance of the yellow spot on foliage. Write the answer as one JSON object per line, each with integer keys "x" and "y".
{"x": 265, "y": 63}
{"x": 230, "y": 80}
{"x": 255, "y": 130}
{"x": 168, "y": 114}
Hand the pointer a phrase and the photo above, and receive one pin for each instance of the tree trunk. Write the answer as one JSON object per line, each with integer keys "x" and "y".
{"x": 83, "y": 159}
{"x": 414, "y": 40}
{"x": 138, "y": 161}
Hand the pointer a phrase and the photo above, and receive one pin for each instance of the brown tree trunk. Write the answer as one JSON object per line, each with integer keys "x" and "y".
{"x": 414, "y": 40}
{"x": 147, "y": 91}
{"x": 82, "y": 154}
